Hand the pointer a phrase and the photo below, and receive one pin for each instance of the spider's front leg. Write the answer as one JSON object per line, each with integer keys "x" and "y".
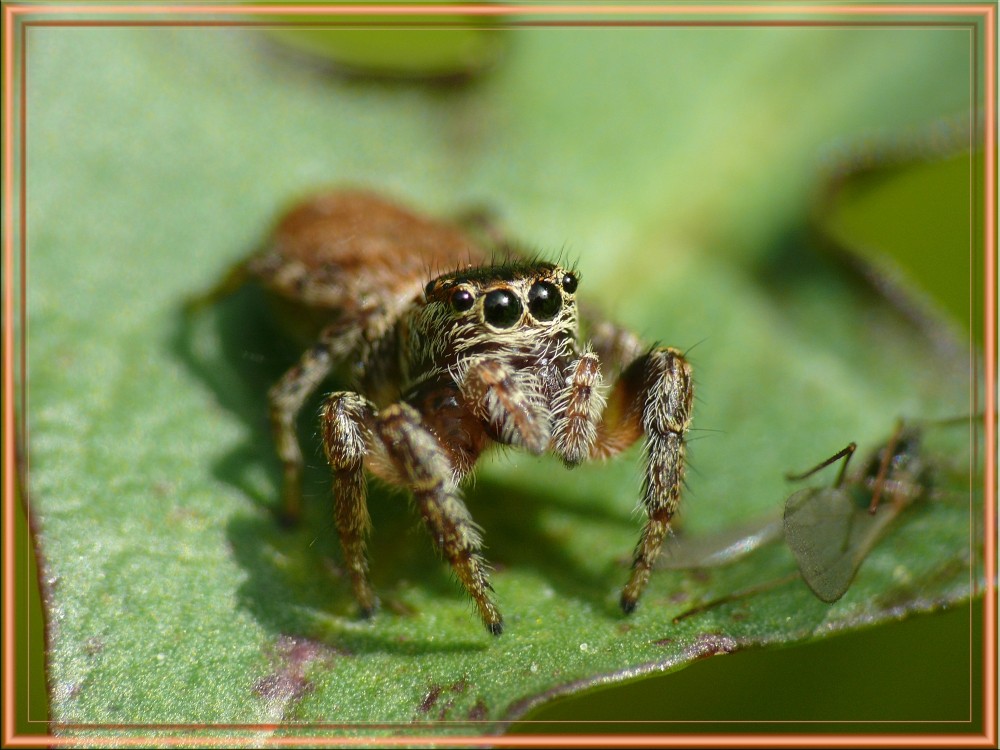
{"x": 399, "y": 447}
{"x": 423, "y": 463}
{"x": 652, "y": 397}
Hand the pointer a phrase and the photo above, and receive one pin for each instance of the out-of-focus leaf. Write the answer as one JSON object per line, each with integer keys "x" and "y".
{"x": 415, "y": 46}
{"x": 903, "y": 220}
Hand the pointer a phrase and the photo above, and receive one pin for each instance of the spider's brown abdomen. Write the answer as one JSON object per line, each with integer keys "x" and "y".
{"x": 354, "y": 251}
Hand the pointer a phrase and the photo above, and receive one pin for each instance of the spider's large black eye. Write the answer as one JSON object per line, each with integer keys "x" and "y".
{"x": 501, "y": 308}
{"x": 544, "y": 300}
{"x": 569, "y": 282}
{"x": 462, "y": 299}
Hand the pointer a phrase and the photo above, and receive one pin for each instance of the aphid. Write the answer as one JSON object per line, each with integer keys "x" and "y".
{"x": 831, "y": 530}
{"x": 447, "y": 352}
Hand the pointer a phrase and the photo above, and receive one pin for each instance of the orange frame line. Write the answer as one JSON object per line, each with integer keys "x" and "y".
{"x": 576, "y": 740}
{"x": 986, "y": 11}
{"x": 524, "y": 10}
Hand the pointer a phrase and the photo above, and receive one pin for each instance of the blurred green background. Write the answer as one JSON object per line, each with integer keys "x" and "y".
{"x": 721, "y": 141}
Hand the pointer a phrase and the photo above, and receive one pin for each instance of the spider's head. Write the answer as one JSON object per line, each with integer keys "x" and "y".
{"x": 521, "y": 306}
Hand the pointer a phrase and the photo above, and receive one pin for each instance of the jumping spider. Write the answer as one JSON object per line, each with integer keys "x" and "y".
{"x": 448, "y": 352}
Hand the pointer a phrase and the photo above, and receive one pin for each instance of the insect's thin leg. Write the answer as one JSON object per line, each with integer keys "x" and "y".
{"x": 512, "y": 406}
{"x": 883, "y": 468}
{"x": 286, "y": 398}
{"x": 347, "y": 421}
{"x": 743, "y": 593}
{"x": 578, "y": 409}
{"x": 943, "y": 421}
{"x": 653, "y": 396}
{"x": 845, "y": 453}
{"x": 420, "y": 459}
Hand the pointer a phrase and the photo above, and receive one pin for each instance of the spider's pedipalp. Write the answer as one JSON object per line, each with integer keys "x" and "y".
{"x": 512, "y": 405}
{"x": 578, "y": 409}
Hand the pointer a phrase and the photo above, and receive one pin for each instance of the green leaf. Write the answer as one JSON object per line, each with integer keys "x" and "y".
{"x": 157, "y": 158}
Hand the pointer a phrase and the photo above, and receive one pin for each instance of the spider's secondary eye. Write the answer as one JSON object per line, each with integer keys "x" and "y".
{"x": 462, "y": 299}
{"x": 569, "y": 282}
{"x": 502, "y": 308}
{"x": 430, "y": 287}
{"x": 544, "y": 300}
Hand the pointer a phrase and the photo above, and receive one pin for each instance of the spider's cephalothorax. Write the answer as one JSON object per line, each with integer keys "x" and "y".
{"x": 513, "y": 327}
{"x": 447, "y": 353}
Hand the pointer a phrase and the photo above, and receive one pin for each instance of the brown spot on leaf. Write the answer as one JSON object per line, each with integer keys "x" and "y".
{"x": 434, "y": 693}
{"x": 290, "y": 656}
{"x": 443, "y": 713}
{"x": 479, "y": 711}
{"x": 93, "y": 646}
{"x": 282, "y": 687}
{"x": 700, "y": 575}
{"x": 710, "y": 644}
{"x": 299, "y": 652}
{"x": 663, "y": 642}
{"x": 430, "y": 699}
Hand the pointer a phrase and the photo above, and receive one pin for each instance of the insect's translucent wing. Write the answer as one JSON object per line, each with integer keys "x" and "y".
{"x": 721, "y": 547}
{"x": 830, "y": 536}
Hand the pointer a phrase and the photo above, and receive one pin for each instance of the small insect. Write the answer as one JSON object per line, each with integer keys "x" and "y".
{"x": 831, "y": 531}
{"x": 448, "y": 351}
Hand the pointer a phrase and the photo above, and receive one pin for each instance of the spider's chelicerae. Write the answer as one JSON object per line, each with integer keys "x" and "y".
{"x": 448, "y": 352}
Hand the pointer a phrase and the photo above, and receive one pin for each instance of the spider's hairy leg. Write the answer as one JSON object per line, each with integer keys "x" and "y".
{"x": 510, "y": 404}
{"x": 347, "y": 422}
{"x": 423, "y": 464}
{"x": 286, "y": 398}
{"x": 653, "y": 396}
{"x": 578, "y": 409}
